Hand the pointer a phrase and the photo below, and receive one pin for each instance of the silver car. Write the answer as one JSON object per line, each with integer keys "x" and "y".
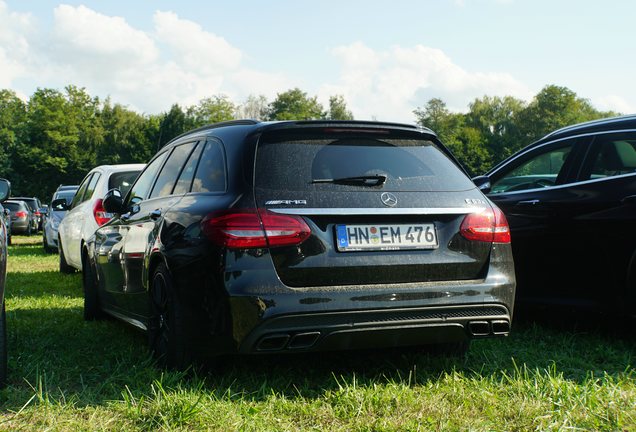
{"x": 54, "y": 216}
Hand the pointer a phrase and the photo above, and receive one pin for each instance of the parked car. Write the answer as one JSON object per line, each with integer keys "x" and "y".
{"x": 570, "y": 199}
{"x": 5, "y": 191}
{"x": 248, "y": 237}
{"x": 7, "y": 221}
{"x": 35, "y": 205}
{"x": 55, "y": 215}
{"x": 86, "y": 212}
{"x": 23, "y": 220}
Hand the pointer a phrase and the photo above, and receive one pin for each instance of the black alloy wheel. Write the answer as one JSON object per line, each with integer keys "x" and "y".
{"x": 167, "y": 337}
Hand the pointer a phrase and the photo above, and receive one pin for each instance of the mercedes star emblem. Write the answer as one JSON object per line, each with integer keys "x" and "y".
{"x": 388, "y": 199}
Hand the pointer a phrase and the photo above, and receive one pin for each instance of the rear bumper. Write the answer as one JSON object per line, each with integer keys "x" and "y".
{"x": 383, "y": 328}
{"x": 19, "y": 226}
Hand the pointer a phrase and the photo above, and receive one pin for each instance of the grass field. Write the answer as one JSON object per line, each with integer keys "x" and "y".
{"x": 67, "y": 374}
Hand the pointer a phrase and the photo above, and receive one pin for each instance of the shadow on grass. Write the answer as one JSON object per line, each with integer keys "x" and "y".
{"x": 28, "y": 250}
{"x": 42, "y": 285}
{"x": 93, "y": 363}
{"x": 53, "y": 351}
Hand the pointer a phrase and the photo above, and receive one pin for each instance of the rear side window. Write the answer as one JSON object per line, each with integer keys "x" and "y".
{"x": 308, "y": 159}
{"x": 210, "y": 176}
{"x": 80, "y": 192}
{"x": 187, "y": 174}
{"x": 122, "y": 181}
{"x": 91, "y": 187}
{"x": 168, "y": 176}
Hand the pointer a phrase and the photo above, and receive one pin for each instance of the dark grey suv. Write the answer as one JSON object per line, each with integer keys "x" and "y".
{"x": 254, "y": 238}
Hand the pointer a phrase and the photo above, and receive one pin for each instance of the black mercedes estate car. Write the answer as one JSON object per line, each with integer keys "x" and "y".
{"x": 570, "y": 199}
{"x": 249, "y": 237}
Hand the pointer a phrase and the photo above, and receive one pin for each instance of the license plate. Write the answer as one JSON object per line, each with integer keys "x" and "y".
{"x": 386, "y": 237}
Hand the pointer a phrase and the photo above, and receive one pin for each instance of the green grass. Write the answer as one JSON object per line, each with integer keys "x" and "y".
{"x": 67, "y": 374}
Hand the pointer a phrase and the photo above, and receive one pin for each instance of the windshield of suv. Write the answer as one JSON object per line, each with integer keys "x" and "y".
{"x": 328, "y": 159}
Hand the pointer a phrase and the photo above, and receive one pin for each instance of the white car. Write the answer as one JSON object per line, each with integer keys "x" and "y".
{"x": 86, "y": 212}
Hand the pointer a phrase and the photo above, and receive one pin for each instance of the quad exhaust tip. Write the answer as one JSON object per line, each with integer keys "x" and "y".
{"x": 489, "y": 328}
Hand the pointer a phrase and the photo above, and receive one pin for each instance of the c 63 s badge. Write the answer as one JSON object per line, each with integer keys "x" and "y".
{"x": 286, "y": 202}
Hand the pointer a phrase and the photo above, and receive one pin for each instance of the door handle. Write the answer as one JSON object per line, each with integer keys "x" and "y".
{"x": 155, "y": 214}
{"x": 529, "y": 202}
{"x": 629, "y": 200}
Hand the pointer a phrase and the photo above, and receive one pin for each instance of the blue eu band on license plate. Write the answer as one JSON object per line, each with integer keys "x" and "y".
{"x": 386, "y": 237}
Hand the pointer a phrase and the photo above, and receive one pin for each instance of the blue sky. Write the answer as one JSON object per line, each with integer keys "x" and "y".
{"x": 386, "y": 58}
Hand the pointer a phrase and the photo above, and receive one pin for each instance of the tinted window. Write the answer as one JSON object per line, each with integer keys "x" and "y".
{"x": 210, "y": 175}
{"x": 306, "y": 160}
{"x": 187, "y": 174}
{"x": 80, "y": 192}
{"x": 141, "y": 188}
{"x": 91, "y": 187}
{"x": 170, "y": 171}
{"x": 540, "y": 170}
{"x": 13, "y": 206}
{"x": 67, "y": 195}
{"x": 122, "y": 181}
{"x": 614, "y": 155}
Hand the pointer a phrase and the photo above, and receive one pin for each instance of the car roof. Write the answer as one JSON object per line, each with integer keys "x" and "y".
{"x": 251, "y": 126}
{"x": 16, "y": 201}
{"x": 600, "y": 125}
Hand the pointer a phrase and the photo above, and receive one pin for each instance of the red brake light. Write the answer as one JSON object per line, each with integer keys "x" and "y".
{"x": 20, "y": 214}
{"x": 251, "y": 228}
{"x": 37, "y": 213}
{"x": 487, "y": 226}
{"x": 101, "y": 217}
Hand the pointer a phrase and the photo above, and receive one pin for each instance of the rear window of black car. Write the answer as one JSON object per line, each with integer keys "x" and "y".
{"x": 304, "y": 160}
{"x": 122, "y": 181}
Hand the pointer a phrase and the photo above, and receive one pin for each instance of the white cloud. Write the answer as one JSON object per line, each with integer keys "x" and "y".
{"x": 15, "y": 28}
{"x": 389, "y": 84}
{"x": 613, "y": 103}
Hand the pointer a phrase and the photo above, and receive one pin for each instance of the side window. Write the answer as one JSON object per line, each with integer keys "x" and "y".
{"x": 141, "y": 188}
{"x": 187, "y": 174}
{"x": 91, "y": 187}
{"x": 613, "y": 155}
{"x": 80, "y": 192}
{"x": 543, "y": 169}
{"x": 210, "y": 175}
{"x": 170, "y": 171}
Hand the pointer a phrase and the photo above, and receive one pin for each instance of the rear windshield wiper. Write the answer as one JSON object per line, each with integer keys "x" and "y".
{"x": 371, "y": 180}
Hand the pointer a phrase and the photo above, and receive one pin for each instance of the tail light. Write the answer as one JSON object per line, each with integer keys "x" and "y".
{"x": 20, "y": 214}
{"x": 487, "y": 226}
{"x": 251, "y": 228}
{"x": 37, "y": 213}
{"x": 100, "y": 215}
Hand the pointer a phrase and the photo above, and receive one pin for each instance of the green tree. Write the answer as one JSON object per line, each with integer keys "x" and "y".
{"x": 295, "y": 105}
{"x": 254, "y": 107}
{"x": 12, "y": 128}
{"x": 496, "y": 120}
{"x": 212, "y": 110}
{"x": 338, "y": 109}
{"x": 173, "y": 123}
{"x": 552, "y": 108}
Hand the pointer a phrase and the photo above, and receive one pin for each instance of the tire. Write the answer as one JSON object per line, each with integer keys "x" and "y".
{"x": 3, "y": 348}
{"x": 64, "y": 267}
{"x": 92, "y": 309}
{"x": 28, "y": 231}
{"x": 168, "y": 336}
{"x": 46, "y": 246}
{"x": 9, "y": 241}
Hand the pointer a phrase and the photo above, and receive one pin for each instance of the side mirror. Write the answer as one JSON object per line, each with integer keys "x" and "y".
{"x": 5, "y": 189}
{"x": 483, "y": 183}
{"x": 113, "y": 202}
{"x": 59, "y": 205}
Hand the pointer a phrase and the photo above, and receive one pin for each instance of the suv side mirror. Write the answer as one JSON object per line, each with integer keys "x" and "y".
{"x": 483, "y": 183}
{"x": 59, "y": 205}
{"x": 113, "y": 202}
{"x": 5, "y": 189}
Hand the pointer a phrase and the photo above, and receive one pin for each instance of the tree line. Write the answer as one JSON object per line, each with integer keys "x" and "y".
{"x": 56, "y": 137}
